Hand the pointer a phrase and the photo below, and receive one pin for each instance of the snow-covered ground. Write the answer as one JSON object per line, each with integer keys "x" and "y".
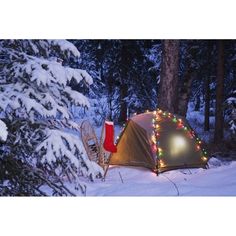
{"x": 218, "y": 180}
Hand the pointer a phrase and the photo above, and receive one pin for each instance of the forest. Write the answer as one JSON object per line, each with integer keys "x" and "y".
{"x": 140, "y": 75}
{"x": 47, "y": 87}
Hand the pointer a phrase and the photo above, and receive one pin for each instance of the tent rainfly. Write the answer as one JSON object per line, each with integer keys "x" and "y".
{"x": 159, "y": 141}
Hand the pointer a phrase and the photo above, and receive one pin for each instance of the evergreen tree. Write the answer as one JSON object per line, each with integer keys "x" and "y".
{"x": 122, "y": 74}
{"x": 35, "y": 102}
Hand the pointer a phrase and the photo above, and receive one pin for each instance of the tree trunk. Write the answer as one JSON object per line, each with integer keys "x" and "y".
{"x": 219, "y": 120}
{"x": 207, "y": 93}
{"x": 184, "y": 93}
{"x": 168, "y": 90}
{"x": 207, "y": 105}
{"x": 198, "y": 103}
{"x": 109, "y": 84}
{"x": 123, "y": 82}
{"x": 123, "y": 103}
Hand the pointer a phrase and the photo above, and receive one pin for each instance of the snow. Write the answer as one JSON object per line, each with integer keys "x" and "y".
{"x": 232, "y": 126}
{"x": 218, "y": 180}
{"x": 16, "y": 99}
{"x": 231, "y": 100}
{"x": 3, "y": 131}
{"x": 48, "y": 73}
{"x": 66, "y": 46}
{"x": 76, "y": 97}
{"x": 57, "y": 148}
{"x": 49, "y": 80}
{"x": 61, "y": 146}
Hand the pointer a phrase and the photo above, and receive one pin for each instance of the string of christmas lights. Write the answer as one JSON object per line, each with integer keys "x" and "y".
{"x": 159, "y": 115}
{"x": 155, "y": 136}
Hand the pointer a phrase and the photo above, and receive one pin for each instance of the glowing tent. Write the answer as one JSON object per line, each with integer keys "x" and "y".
{"x": 159, "y": 141}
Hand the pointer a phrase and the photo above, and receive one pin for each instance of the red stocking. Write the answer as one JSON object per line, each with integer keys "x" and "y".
{"x": 109, "y": 137}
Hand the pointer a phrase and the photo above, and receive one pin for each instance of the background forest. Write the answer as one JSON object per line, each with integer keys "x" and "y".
{"x": 131, "y": 76}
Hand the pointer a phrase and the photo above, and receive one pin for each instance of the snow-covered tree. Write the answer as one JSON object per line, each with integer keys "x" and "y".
{"x": 35, "y": 102}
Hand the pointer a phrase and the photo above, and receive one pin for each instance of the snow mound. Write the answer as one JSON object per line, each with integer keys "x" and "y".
{"x": 214, "y": 162}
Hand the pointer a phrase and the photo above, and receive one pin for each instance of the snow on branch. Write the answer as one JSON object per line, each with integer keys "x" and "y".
{"x": 60, "y": 146}
{"x": 3, "y": 131}
{"x": 22, "y": 97}
{"x": 77, "y": 98}
{"x": 48, "y": 73}
{"x": 47, "y": 96}
{"x": 231, "y": 100}
{"x": 66, "y": 46}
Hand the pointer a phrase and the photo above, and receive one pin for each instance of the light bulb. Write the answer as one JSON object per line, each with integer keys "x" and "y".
{"x": 161, "y": 163}
{"x": 178, "y": 145}
{"x": 153, "y": 139}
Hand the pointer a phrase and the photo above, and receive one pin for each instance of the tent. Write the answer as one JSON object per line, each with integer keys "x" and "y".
{"x": 159, "y": 141}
